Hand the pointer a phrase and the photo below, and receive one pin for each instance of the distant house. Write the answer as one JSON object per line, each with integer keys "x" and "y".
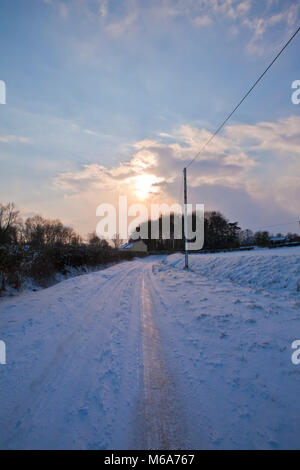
{"x": 279, "y": 240}
{"x": 136, "y": 245}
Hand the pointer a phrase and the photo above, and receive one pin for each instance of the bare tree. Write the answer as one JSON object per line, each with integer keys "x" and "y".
{"x": 10, "y": 223}
{"x": 39, "y": 231}
{"x": 117, "y": 241}
{"x": 94, "y": 240}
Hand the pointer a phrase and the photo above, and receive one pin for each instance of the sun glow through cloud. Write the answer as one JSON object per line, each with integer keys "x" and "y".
{"x": 144, "y": 185}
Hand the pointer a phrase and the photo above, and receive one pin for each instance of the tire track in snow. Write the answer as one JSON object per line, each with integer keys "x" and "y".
{"x": 162, "y": 421}
{"x": 49, "y": 385}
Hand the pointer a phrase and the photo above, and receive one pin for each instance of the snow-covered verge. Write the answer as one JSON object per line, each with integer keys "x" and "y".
{"x": 262, "y": 269}
{"x": 25, "y": 268}
{"x": 80, "y": 356}
{"x": 29, "y": 285}
{"x": 230, "y": 346}
{"x": 72, "y": 369}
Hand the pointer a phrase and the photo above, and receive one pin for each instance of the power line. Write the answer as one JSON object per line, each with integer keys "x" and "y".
{"x": 222, "y": 125}
{"x": 277, "y": 225}
{"x": 243, "y": 99}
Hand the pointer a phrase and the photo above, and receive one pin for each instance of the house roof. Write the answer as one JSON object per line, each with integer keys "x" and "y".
{"x": 278, "y": 239}
{"x": 127, "y": 245}
{"x": 131, "y": 244}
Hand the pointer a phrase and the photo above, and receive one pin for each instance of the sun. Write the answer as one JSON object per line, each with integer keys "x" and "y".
{"x": 143, "y": 185}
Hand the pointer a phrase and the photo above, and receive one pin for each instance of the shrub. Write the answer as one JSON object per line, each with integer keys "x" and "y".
{"x": 42, "y": 264}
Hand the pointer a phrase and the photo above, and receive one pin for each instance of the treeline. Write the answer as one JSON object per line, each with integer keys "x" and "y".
{"x": 39, "y": 249}
{"x": 265, "y": 238}
{"x": 219, "y": 234}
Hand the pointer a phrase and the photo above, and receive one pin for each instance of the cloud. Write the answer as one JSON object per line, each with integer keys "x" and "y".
{"x": 59, "y": 6}
{"x": 88, "y": 131}
{"x": 244, "y": 7}
{"x": 281, "y": 136}
{"x": 118, "y": 28}
{"x": 63, "y": 10}
{"x": 7, "y": 139}
{"x": 260, "y": 19}
{"x": 103, "y": 8}
{"x": 238, "y": 160}
{"x": 201, "y": 21}
{"x": 287, "y": 18}
{"x": 118, "y": 25}
{"x": 201, "y": 12}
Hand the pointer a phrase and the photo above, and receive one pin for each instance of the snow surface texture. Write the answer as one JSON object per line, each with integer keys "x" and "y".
{"x": 263, "y": 269}
{"x": 147, "y": 355}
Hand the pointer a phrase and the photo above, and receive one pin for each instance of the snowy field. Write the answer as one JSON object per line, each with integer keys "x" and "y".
{"x": 146, "y": 355}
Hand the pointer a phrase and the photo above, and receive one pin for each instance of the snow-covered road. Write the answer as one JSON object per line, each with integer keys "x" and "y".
{"x": 146, "y": 355}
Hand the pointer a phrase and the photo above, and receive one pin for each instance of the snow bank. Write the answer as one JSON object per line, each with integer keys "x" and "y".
{"x": 263, "y": 269}
{"x": 29, "y": 285}
{"x": 229, "y": 346}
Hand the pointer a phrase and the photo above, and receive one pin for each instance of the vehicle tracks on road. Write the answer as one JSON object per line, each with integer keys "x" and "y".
{"x": 163, "y": 424}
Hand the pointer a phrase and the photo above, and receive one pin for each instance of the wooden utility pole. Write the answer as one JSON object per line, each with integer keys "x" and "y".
{"x": 185, "y": 221}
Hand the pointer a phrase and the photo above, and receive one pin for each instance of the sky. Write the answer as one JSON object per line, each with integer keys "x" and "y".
{"x": 106, "y": 98}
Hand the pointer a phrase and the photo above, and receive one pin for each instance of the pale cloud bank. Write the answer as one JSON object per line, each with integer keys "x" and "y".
{"x": 7, "y": 139}
{"x": 238, "y": 160}
{"x": 240, "y": 16}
